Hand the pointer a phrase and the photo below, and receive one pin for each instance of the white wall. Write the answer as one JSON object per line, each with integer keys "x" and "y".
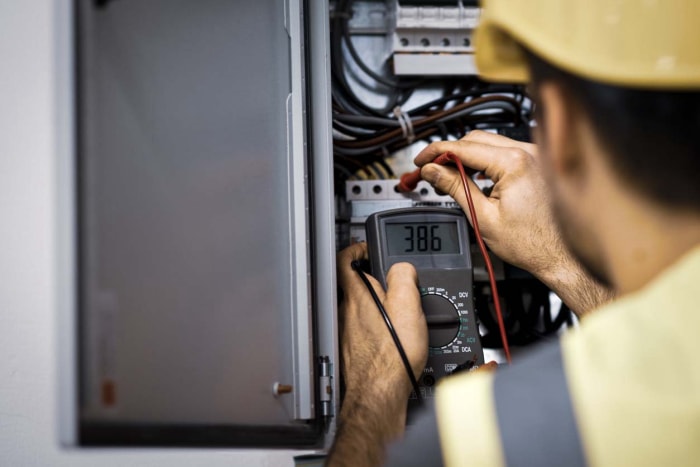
{"x": 27, "y": 341}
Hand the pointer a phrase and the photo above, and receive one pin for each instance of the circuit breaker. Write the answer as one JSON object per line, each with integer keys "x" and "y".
{"x": 435, "y": 38}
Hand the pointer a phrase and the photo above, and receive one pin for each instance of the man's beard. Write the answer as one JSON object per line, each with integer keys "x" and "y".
{"x": 580, "y": 243}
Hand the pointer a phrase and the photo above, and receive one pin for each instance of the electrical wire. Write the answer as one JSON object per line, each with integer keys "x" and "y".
{"x": 366, "y": 120}
{"x": 488, "y": 106}
{"x": 402, "y": 353}
{"x": 419, "y": 124}
{"x": 377, "y": 147}
{"x": 492, "y": 89}
{"x": 344, "y": 18}
{"x": 482, "y": 247}
{"x": 350, "y": 47}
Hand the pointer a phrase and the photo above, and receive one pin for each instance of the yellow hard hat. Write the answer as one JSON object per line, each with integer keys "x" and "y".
{"x": 635, "y": 43}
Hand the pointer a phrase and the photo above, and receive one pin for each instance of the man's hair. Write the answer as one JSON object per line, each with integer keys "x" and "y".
{"x": 652, "y": 136}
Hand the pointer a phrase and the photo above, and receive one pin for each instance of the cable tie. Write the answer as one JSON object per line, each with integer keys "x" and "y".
{"x": 406, "y": 124}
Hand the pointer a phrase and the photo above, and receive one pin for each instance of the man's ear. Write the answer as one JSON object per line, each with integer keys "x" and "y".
{"x": 562, "y": 136}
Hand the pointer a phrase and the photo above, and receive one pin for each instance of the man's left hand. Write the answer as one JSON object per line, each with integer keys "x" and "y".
{"x": 367, "y": 347}
{"x": 376, "y": 384}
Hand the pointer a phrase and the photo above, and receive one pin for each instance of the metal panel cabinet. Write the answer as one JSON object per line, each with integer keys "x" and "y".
{"x": 194, "y": 171}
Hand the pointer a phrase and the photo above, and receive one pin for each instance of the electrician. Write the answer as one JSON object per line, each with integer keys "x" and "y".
{"x": 607, "y": 204}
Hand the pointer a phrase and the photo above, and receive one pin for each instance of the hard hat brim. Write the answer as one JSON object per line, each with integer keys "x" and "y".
{"x": 589, "y": 47}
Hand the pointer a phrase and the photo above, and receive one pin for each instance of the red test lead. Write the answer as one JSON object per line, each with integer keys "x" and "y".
{"x": 410, "y": 180}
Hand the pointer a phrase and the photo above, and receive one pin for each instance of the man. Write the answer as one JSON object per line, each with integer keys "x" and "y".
{"x": 608, "y": 203}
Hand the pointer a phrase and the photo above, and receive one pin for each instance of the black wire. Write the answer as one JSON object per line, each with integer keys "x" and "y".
{"x": 345, "y": 32}
{"x": 341, "y": 87}
{"x": 338, "y": 71}
{"x": 493, "y": 89}
{"x": 353, "y": 130}
{"x": 397, "y": 142}
{"x": 357, "y": 268}
{"x": 348, "y": 175}
{"x": 383, "y": 163}
{"x": 368, "y": 71}
{"x": 564, "y": 316}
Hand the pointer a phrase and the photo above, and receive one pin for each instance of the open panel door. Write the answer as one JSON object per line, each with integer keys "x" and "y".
{"x": 187, "y": 283}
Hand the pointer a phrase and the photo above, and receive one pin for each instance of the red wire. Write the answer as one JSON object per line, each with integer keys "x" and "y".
{"x": 442, "y": 159}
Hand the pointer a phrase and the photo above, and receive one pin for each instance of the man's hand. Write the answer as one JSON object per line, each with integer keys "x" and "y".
{"x": 516, "y": 219}
{"x": 376, "y": 384}
{"x": 366, "y": 343}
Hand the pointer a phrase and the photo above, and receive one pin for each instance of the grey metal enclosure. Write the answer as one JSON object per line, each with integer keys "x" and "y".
{"x": 196, "y": 234}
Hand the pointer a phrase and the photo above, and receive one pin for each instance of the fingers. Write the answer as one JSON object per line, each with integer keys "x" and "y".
{"x": 476, "y": 156}
{"x": 349, "y": 279}
{"x": 448, "y": 180}
{"x": 489, "y": 366}
{"x": 494, "y": 155}
{"x": 493, "y": 139}
{"x": 403, "y": 304}
{"x": 402, "y": 294}
{"x": 355, "y": 252}
{"x": 402, "y": 282}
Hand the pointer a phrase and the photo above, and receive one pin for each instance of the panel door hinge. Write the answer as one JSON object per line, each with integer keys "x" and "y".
{"x": 325, "y": 390}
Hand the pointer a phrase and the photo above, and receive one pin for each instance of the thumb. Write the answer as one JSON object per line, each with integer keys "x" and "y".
{"x": 402, "y": 295}
{"x": 402, "y": 276}
{"x": 404, "y": 307}
{"x": 448, "y": 180}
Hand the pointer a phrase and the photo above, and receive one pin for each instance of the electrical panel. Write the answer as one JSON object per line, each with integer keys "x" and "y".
{"x": 434, "y": 38}
{"x": 208, "y": 175}
{"x": 396, "y": 90}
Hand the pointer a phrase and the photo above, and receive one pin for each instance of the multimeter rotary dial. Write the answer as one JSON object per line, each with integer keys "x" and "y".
{"x": 442, "y": 317}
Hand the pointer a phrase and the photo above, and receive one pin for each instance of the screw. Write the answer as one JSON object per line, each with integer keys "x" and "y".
{"x": 279, "y": 389}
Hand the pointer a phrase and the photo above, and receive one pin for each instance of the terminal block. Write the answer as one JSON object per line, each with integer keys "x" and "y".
{"x": 435, "y": 37}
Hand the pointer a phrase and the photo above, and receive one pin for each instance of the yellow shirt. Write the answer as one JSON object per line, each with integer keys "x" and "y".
{"x": 633, "y": 381}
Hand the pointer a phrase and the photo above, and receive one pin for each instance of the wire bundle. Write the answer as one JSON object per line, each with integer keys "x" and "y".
{"x": 364, "y": 136}
{"x": 528, "y": 313}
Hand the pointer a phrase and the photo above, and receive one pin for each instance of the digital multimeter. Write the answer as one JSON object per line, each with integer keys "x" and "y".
{"x": 436, "y": 242}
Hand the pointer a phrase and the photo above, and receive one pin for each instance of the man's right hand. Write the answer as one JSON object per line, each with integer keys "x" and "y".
{"x": 516, "y": 219}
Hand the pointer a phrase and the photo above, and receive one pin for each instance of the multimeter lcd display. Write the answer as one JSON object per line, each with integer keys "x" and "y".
{"x": 422, "y": 238}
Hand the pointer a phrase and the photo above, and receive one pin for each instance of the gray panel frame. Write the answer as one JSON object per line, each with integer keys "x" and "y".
{"x": 65, "y": 222}
{"x": 302, "y": 342}
{"x": 323, "y": 203}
